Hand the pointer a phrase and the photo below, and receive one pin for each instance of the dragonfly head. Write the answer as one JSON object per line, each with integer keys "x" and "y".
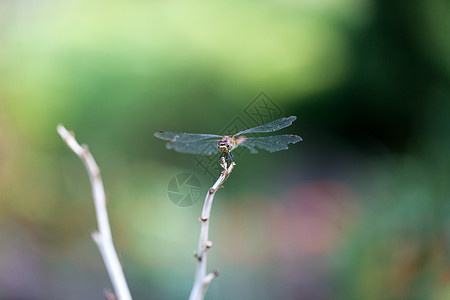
{"x": 226, "y": 144}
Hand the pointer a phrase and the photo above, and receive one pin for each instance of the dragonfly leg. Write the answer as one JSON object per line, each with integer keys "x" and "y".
{"x": 228, "y": 156}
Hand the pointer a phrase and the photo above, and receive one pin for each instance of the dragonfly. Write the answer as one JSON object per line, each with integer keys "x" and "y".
{"x": 208, "y": 144}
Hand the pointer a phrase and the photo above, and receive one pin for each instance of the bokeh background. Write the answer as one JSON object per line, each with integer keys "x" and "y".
{"x": 358, "y": 210}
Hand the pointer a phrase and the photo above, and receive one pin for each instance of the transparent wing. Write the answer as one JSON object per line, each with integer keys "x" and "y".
{"x": 203, "y": 147}
{"x": 270, "y": 143}
{"x": 271, "y": 126}
{"x": 183, "y": 137}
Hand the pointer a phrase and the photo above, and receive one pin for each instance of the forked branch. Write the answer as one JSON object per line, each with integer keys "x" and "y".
{"x": 102, "y": 237}
{"x": 202, "y": 280}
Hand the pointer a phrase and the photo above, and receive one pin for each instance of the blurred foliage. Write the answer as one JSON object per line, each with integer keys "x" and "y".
{"x": 358, "y": 210}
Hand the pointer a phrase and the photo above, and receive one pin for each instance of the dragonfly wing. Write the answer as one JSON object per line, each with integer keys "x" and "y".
{"x": 184, "y": 137}
{"x": 203, "y": 147}
{"x": 271, "y": 126}
{"x": 270, "y": 143}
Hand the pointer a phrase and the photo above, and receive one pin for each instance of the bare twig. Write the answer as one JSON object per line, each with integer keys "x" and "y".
{"x": 202, "y": 280}
{"x": 103, "y": 237}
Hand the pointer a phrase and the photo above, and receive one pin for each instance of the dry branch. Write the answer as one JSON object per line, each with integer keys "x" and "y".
{"x": 102, "y": 237}
{"x": 202, "y": 280}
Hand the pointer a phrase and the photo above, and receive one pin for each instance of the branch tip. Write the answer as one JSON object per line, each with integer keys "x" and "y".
{"x": 110, "y": 295}
{"x": 96, "y": 236}
{"x": 208, "y": 244}
{"x": 208, "y": 278}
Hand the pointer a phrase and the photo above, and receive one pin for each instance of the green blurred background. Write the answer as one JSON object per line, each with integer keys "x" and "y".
{"x": 358, "y": 210}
